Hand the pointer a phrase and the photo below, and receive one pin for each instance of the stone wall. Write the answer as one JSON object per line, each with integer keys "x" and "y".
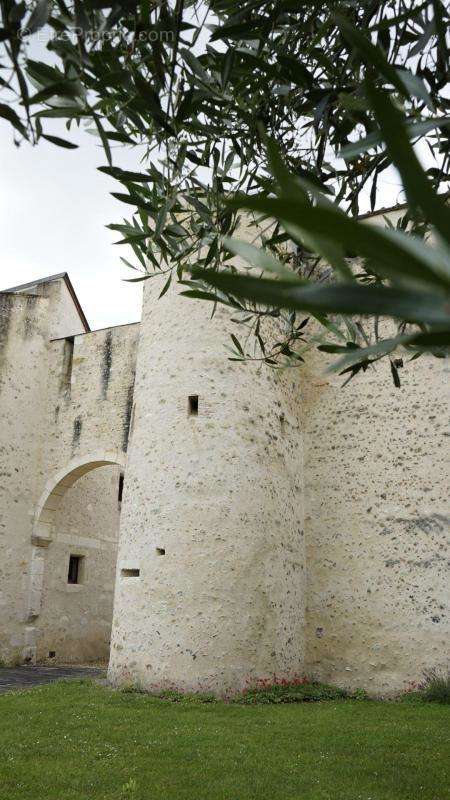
{"x": 376, "y": 467}
{"x": 66, "y": 408}
{"x": 276, "y": 523}
{"x": 89, "y": 414}
{"x": 91, "y": 382}
{"x": 210, "y": 580}
{"x": 75, "y": 620}
{"x": 23, "y": 343}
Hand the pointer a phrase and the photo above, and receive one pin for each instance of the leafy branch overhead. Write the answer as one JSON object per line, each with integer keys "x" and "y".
{"x": 285, "y": 113}
{"x": 418, "y": 273}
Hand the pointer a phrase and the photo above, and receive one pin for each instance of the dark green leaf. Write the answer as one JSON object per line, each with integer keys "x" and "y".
{"x": 59, "y": 142}
{"x": 413, "y": 129}
{"x": 196, "y": 294}
{"x": 341, "y": 298}
{"x": 9, "y": 114}
{"x": 39, "y": 16}
{"x": 237, "y": 344}
{"x": 391, "y": 252}
{"x": 103, "y": 137}
{"x": 419, "y": 191}
{"x": 63, "y": 89}
{"x": 370, "y": 53}
{"x": 124, "y": 176}
{"x": 395, "y": 374}
{"x": 166, "y": 286}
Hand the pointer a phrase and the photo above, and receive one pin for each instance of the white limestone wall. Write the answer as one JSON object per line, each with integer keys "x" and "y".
{"x": 90, "y": 396}
{"x": 74, "y": 623}
{"x": 210, "y": 583}
{"x": 377, "y": 524}
{"x": 90, "y": 399}
{"x": 50, "y": 424}
{"x": 23, "y": 343}
{"x": 222, "y": 494}
{"x": 65, "y": 319}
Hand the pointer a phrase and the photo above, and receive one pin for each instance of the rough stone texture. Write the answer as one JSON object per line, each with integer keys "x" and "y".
{"x": 290, "y": 526}
{"x": 376, "y": 472}
{"x": 65, "y": 412}
{"x": 221, "y": 494}
{"x": 75, "y": 619}
{"x": 23, "y": 344}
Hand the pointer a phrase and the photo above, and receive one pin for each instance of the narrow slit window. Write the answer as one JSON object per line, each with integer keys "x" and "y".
{"x": 160, "y": 551}
{"x": 74, "y": 573}
{"x": 193, "y": 405}
{"x": 69, "y": 345}
{"x": 66, "y": 377}
{"x": 130, "y": 573}
{"x": 132, "y": 416}
{"x": 120, "y": 489}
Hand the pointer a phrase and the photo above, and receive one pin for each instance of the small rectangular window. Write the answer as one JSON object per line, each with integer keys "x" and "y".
{"x": 193, "y": 405}
{"x": 120, "y": 491}
{"x": 74, "y": 573}
{"x": 130, "y": 573}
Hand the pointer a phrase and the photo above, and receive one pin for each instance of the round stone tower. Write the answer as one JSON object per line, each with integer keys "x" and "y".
{"x": 210, "y": 575}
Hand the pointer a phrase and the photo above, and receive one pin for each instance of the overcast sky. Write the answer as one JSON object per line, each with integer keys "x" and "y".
{"x": 54, "y": 205}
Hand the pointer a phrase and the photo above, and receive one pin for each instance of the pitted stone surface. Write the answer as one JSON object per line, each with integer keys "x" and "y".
{"x": 64, "y": 402}
{"x": 222, "y": 493}
{"x": 290, "y": 527}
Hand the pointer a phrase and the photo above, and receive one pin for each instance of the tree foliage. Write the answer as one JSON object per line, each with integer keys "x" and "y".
{"x": 290, "y": 110}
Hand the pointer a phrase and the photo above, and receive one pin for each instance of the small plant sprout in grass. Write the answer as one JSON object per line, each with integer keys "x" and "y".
{"x": 129, "y": 789}
{"x": 434, "y": 688}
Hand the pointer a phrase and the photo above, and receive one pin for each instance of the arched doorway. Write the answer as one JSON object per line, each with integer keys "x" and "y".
{"x": 74, "y": 553}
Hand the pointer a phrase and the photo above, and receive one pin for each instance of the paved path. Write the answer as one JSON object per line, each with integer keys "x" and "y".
{"x": 26, "y": 677}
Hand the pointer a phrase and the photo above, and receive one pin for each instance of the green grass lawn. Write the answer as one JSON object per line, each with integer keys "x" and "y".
{"x": 83, "y": 742}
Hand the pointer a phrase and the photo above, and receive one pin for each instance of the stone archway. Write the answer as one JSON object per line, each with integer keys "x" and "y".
{"x": 43, "y": 532}
{"x": 57, "y": 486}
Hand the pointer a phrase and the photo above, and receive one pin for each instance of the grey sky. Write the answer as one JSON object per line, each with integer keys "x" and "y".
{"x": 54, "y": 205}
